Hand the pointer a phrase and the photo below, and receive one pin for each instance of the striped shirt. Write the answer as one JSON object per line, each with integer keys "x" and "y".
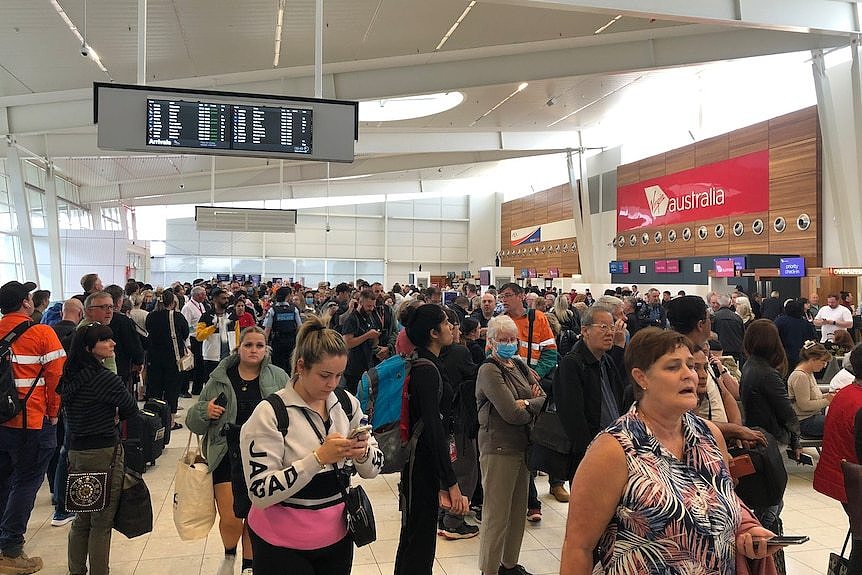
{"x": 38, "y": 349}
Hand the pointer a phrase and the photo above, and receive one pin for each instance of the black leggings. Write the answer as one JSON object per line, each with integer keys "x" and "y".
{"x": 337, "y": 559}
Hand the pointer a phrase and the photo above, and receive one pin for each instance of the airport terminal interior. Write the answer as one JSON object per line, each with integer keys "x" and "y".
{"x": 566, "y": 147}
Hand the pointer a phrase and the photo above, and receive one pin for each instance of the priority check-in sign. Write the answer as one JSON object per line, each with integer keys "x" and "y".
{"x": 730, "y": 187}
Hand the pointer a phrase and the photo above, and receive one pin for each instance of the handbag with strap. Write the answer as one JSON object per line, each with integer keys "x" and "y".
{"x": 135, "y": 509}
{"x": 551, "y": 448}
{"x": 89, "y": 491}
{"x": 838, "y": 564}
{"x": 358, "y": 511}
{"x": 186, "y": 362}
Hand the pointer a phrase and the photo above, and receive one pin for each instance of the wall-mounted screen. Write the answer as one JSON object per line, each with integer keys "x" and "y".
{"x": 134, "y": 118}
{"x": 485, "y": 277}
{"x": 791, "y": 267}
{"x": 724, "y": 268}
{"x": 617, "y": 267}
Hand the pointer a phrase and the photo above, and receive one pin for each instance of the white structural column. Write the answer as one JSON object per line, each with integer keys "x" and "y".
{"x": 52, "y": 222}
{"x": 96, "y": 213}
{"x": 124, "y": 220}
{"x": 142, "y": 42}
{"x": 839, "y": 185}
{"x": 856, "y": 87}
{"x": 21, "y": 205}
{"x": 134, "y": 229}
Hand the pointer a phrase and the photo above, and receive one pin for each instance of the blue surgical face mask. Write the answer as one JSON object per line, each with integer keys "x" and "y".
{"x": 507, "y": 350}
{"x": 309, "y": 301}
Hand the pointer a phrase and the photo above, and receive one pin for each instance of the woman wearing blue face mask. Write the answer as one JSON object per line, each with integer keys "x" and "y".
{"x": 508, "y": 400}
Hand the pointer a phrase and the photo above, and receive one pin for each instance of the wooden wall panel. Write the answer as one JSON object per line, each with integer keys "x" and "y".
{"x": 680, "y": 159}
{"x": 748, "y": 242}
{"x": 790, "y": 159}
{"x": 711, "y": 150}
{"x": 650, "y": 168}
{"x": 795, "y": 190}
{"x": 712, "y": 244}
{"x": 627, "y": 174}
{"x": 653, "y": 249}
{"x": 793, "y": 127}
{"x": 748, "y": 140}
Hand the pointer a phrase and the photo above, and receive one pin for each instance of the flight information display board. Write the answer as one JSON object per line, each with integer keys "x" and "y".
{"x": 271, "y": 129}
{"x": 177, "y": 123}
{"x": 154, "y": 119}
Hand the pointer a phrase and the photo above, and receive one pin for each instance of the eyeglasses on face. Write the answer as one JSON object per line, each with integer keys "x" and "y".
{"x": 103, "y": 307}
{"x": 603, "y": 327}
{"x": 507, "y": 295}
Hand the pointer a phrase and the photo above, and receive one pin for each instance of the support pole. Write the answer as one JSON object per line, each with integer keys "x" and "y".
{"x": 834, "y": 171}
{"x": 142, "y": 42}
{"x": 52, "y": 222}
{"x": 318, "y": 49}
{"x": 386, "y": 241}
{"x": 21, "y": 205}
{"x": 585, "y": 241}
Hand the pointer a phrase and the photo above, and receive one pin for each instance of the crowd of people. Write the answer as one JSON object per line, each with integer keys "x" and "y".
{"x": 650, "y": 391}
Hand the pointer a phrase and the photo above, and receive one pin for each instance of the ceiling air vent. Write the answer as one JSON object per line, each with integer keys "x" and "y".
{"x": 244, "y": 220}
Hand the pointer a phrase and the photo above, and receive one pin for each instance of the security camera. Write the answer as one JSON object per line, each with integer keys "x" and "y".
{"x": 182, "y": 186}
{"x": 85, "y": 51}
{"x": 550, "y": 102}
{"x": 328, "y": 228}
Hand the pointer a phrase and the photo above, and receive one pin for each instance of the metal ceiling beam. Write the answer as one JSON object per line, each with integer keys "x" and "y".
{"x": 44, "y": 113}
{"x": 248, "y": 185}
{"x": 372, "y": 141}
{"x": 828, "y": 16}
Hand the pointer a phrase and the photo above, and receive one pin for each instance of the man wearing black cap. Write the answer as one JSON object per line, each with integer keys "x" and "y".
{"x": 26, "y": 445}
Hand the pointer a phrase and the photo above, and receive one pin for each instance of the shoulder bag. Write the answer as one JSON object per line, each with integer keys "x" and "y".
{"x": 135, "y": 509}
{"x": 89, "y": 491}
{"x": 186, "y": 362}
{"x": 358, "y": 511}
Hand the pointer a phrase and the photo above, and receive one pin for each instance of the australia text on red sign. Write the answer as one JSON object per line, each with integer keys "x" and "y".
{"x": 730, "y": 187}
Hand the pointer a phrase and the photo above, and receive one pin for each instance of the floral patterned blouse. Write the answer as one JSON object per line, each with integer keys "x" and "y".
{"x": 676, "y": 516}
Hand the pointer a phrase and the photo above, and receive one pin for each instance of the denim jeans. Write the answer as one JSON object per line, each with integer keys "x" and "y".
{"x": 24, "y": 458}
{"x": 62, "y": 472}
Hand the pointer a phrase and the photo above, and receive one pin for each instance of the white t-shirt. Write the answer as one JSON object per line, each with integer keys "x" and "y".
{"x": 713, "y": 408}
{"x": 829, "y": 315}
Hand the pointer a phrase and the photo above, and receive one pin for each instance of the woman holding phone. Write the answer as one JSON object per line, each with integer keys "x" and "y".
{"x": 296, "y": 475}
{"x": 234, "y": 389}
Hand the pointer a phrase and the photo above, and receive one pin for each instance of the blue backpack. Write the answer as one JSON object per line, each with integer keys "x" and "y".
{"x": 384, "y": 398}
{"x": 53, "y": 314}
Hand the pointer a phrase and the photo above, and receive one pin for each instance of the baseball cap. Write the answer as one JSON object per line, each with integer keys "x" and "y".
{"x": 13, "y": 293}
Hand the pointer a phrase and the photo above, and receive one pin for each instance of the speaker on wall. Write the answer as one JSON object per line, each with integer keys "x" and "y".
{"x": 738, "y": 229}
{"x": 686, "y": 234}
{"x": 671, "y": 236}
{"x": 757, "y": 227}
{"x": 779, "y": 225}
{"x": 803, "y": 222}
{"x": 702, "y": 232}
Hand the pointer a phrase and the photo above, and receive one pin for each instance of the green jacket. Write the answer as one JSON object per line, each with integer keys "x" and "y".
{"x": 272, "y": 379}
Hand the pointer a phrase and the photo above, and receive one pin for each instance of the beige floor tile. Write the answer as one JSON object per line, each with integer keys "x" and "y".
{"x": 185, "y": 565}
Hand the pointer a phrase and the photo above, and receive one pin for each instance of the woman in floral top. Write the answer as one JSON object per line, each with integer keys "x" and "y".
{"x": 667, "y": 504}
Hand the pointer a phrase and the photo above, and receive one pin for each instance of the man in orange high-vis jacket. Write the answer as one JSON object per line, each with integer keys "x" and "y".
{"x": 26, "y": 447}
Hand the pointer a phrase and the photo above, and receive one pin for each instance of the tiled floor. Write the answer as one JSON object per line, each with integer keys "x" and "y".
{"x": 806, "y": 512}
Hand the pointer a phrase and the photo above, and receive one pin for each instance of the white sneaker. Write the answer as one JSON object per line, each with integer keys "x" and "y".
{"x": 226, "y": 567}
{"x": 247, "y": 571}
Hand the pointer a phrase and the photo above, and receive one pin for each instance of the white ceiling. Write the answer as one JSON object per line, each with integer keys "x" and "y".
{"x": 372, "y": 48}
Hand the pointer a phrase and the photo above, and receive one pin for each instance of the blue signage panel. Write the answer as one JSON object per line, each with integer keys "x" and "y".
{"x": 617, "y": 267}
{"x": 791, "y": 267}
{"x": 223, "y": 277}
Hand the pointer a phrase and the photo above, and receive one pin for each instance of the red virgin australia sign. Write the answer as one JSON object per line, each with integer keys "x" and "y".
{"x": 731, "y": 187}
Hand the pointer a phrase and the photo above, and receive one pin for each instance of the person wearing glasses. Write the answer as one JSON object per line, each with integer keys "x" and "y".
{"x": 588, "y": 390}
{"x": 99, "y": 308}
{"x": 508, "y": 400}
{"x": 93, "y": 397}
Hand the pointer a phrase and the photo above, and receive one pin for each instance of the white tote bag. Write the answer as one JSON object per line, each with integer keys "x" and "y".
{"x": 194, "y": 502}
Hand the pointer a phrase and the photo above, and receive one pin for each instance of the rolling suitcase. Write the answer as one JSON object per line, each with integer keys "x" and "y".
{"x": 163, "y": 410}
{"x": 134, "y": 455}
{"x": 148, "y": 430}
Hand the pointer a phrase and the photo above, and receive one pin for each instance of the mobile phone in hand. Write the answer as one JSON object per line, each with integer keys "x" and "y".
{"x": 787, "y": 540}
{"x": 804, "y": 458}
{"x": 221, "y": 400}
{"x": 359, "y": 431}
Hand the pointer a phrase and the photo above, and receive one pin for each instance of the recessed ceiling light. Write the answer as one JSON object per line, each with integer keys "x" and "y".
{"x": 408, "y": 107}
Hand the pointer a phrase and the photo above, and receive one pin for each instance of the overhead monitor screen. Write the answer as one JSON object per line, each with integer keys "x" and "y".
{"x": 272, "y": 129}
{"x": 178, "y": 123}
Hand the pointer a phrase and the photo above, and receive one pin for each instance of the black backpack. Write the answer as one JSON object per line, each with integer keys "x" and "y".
{"x": 282, "y": 417}
{"x": 10, "y": 403}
